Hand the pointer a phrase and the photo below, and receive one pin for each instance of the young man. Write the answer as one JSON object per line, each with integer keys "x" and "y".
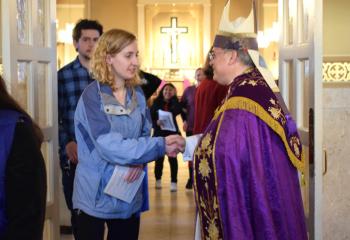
{"x": 72, "y": 80}
{"x": 246, "y": 180}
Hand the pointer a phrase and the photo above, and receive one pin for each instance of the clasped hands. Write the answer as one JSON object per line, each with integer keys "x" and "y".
{"x": 174, "y": 144}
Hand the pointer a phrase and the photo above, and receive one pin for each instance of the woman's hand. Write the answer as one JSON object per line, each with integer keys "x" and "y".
{"x": 174, "y": 144}
{"x": 134, "y": 173}
{"x": 160, "y": 123}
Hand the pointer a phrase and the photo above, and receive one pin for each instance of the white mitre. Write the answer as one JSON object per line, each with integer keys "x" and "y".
{"x": 241, "y": 34}
{"x": 240, "y": 25}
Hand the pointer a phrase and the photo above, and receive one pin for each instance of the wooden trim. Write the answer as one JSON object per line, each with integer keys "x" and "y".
{"x": 335, "y": 58}
{"x": 340, "y": 84}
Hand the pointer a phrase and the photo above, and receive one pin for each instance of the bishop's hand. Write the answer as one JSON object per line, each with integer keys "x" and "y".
{"x": 174, "y": 144}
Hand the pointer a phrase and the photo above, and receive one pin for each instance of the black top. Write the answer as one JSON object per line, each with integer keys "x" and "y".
{"x": 25, "y": 186}
{"x": 172, "y": 106}
{"x": 150, "y": 83}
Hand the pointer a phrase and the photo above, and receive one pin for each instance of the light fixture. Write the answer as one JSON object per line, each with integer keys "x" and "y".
{"x": 65, "y": 35}
{"x": 268, "y": 36}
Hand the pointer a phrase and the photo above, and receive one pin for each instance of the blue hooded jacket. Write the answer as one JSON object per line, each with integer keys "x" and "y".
{"x": 109, "y": 134}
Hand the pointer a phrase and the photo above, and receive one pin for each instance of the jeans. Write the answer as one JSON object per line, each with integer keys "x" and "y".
{"x": 68, "y": 173}
{"x": 158, "y": 169}
{"x": 90, "y": 227}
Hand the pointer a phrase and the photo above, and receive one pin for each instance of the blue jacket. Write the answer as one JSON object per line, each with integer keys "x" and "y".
{"x": 108, "y": 135}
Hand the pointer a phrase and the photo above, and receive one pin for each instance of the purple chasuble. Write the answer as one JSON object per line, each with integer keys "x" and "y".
{"x": 246, "y": 181}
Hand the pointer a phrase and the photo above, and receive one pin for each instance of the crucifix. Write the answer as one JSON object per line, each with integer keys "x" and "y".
{"x": 174, "y": 31}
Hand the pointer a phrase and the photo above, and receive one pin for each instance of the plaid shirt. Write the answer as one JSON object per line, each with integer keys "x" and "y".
{"x": 72, "y": 80}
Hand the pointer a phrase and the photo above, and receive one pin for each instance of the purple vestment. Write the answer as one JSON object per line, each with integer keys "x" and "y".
{"x": 246, "y": 181}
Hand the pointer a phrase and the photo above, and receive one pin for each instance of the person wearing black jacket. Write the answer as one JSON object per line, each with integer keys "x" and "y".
{"x": 166, "y": 101}
{"x": 149, "y": 83}
{"x": 22, "y": 172}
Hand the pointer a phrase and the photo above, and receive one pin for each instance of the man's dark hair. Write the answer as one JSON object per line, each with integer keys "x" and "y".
{"x": 208, "y": 69}
{"x": 84, "y": 24}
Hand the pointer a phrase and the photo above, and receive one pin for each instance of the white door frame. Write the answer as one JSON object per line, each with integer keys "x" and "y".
{"x": 300, "y": 68}
{"x": 39, "y": 55}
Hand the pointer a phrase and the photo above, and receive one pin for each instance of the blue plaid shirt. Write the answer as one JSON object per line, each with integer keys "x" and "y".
{"x": 72, "y": 80}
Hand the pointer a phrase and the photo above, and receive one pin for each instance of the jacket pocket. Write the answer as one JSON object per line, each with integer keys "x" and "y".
{"x": 86, "y": 186}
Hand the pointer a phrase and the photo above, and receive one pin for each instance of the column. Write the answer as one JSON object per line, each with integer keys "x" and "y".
{"x": 141, "y": 28}
{"x": 206, "y": 28}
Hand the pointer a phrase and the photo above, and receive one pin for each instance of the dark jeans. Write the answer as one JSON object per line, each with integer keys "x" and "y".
{"x": 90, "y": 227}
{"x": 158, "y": 169}
{"x": 68, "y": 173}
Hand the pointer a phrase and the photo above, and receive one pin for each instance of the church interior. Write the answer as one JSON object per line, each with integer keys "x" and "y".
{"x": 174, "y": 38}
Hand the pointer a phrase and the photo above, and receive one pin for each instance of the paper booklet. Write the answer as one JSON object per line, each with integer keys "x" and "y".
{"x": 119, "y": 188}
{"x": 167, "y": 120}
{"x": 191, "y": 144}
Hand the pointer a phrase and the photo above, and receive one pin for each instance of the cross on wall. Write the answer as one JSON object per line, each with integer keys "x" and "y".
{"x": 174, "y": 31}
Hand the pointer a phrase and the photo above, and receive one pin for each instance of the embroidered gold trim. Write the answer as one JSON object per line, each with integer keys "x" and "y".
{"x": 209, "y": 209}
{"x": 253, "y": 107}
{"x": 276, "y": 112}
{"x": 203, "y": 152}
{"x": 214, "y": 166}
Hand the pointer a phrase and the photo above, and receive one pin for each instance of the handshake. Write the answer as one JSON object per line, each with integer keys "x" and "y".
{"x": 174, "y": 144}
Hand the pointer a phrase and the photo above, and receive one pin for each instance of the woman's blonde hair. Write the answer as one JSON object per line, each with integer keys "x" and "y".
{"x": 111, "y": 42}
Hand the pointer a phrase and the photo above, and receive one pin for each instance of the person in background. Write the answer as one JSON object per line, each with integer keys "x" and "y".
{"x": 167, "y": 101}
{"x": 72, "y": 80}
{"x": 149, "y": 83}
{"x": 246, "y": 180}
{"x": 188, "y": 104}
{"x": 209, "y": 95}
{"x": 22, "y": 172}
{"x": 113, "y": 126}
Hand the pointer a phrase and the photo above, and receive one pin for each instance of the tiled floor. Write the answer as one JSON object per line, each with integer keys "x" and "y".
{"x": 171, "y": 215}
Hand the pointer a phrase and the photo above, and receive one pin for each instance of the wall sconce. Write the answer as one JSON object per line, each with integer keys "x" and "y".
{"x": 268, "y": 35}
{"x": 65, "y": 35}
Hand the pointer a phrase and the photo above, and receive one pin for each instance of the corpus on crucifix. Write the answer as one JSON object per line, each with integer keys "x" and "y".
{"x": 173, "y": 30}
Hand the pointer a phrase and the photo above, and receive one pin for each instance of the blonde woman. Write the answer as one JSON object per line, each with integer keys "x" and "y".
{"x": 112, "y": 126}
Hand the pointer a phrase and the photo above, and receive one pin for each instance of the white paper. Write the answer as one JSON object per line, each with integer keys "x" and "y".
{"x": 167, "y": 120}
{"x": 191, "y": 144}
{"x": 119, "y": 188}
{"x": 198, "y": 230}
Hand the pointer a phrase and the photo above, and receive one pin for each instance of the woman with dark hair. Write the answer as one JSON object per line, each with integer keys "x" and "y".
{"x": 22, "y": 172}
{"x": 167, "y": 101}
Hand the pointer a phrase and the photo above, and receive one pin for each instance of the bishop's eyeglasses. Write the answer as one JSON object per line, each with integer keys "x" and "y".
{"x": 213, "y": 54}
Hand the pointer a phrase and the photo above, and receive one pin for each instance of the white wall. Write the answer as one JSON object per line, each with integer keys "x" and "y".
{"x": 336, "y": 197}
